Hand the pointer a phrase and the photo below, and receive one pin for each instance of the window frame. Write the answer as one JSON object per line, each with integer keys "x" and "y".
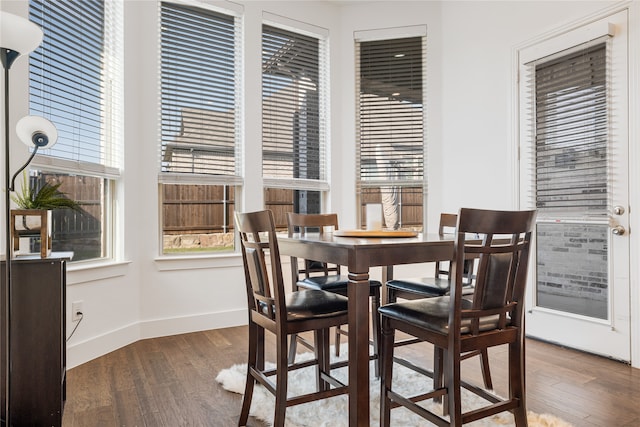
{"x": 361, "y": 186}
{"x": 109, "y": 166}
{"x": 235, "y": 180}
{"x": 311, "y": 185}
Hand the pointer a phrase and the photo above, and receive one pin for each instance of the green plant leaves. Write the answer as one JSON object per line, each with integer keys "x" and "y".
{"x": 47, "y": 197}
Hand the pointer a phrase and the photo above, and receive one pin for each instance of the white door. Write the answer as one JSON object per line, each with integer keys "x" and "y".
{"x": 573, "y": 90}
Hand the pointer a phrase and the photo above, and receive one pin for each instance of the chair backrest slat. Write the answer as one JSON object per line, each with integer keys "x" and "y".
{"x": 265, "y": 292}
{"x": 447, "y": 226}
{"x": 502, "y": 264}
{"x": 303, "y": 224}
{"x": 448, "y": 223}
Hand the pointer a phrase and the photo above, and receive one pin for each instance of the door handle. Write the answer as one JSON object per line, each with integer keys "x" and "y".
{"x": 618, "y": 230}
{"x": 618, "y": 210}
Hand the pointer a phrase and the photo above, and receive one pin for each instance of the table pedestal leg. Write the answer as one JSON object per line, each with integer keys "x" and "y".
{"x": 358, "y": 293}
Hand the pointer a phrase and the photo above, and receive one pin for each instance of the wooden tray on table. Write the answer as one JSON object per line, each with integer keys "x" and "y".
{"x": 375, "y": 233}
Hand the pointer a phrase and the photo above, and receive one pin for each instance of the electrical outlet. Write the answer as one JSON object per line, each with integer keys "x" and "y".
{"x": 76, "y": 311}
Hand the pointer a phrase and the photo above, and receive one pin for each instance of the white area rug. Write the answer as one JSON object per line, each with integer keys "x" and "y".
{"x": 333, "y": 412}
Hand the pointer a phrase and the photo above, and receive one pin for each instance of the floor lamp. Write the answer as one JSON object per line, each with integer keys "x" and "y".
{"x": 18, "y": 36}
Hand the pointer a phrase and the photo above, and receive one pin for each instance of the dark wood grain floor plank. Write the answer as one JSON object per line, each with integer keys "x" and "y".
{"x": 170, "y": 381}
{"x": 127, "y": 408}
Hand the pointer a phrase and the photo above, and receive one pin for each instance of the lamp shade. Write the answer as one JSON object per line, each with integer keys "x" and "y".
{"x": 37, "y": 131}
{"x": 19, "y": 34}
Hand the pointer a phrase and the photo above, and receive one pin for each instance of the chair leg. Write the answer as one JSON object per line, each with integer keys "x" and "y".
{"x": 486, "y": 373}
{"x": 260, "y": 357}
{"x": 282, "y": 371}
{"x": 293, "y": 347}
{"x": 453, "y": 396}
{"x": 517, "y": 382}
{"x": 386, "y": 372}
{"x": 323, "y": 357}
{"x": 250, "y": 381}
{"x": 438, "y": 373}
{"x": 375, "y": 324}
{"x": 391, "y": 296}
{"x": 337, "y": 341}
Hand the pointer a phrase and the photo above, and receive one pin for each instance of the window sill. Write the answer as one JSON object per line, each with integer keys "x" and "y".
{"x": 93, "y": 271}
{"x": 191, "y": 262}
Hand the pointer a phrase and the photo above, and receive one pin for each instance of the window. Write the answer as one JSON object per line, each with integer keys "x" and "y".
{"x": 571, "y": 158}
{"x": 390, "y": 129}
{"x": 199, "y": 155}
{"x": 76, "y": 82}
{"x": 293, "y": 122}
{"x": 571, "y": 134}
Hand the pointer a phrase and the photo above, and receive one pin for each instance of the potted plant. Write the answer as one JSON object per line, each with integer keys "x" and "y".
{"x": 35, "y": 204}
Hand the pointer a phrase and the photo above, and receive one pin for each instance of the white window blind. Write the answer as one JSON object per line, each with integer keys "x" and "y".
{"x": 199, "y": 91}
{"x": 390, "y": 132}
{"x": 293, "y": 116}
{"x": 75, "y": 81}
{"x": 571, "y": 131}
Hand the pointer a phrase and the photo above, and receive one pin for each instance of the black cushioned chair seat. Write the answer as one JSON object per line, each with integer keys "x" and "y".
{"x": 427, "y": 286}
{"x": 307, "y": 304}
{"x": 333, "y": 283}
{"x": 433, "y": 314}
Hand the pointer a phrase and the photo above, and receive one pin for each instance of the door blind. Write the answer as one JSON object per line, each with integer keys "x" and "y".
{"x": 293, "y": 142}
{"x": 199, "y": 80}
{"x": 390, "y": 121}
{"x": 571, "y": 131}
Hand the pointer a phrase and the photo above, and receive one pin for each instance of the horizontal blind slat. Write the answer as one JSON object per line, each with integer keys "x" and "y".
{"x": 292, "y": 71}
{"x": 390, "y": 113}
{"x": 571, "y": 133}
{"x": 198, "y": 91}
{"x": 68, "y": 75}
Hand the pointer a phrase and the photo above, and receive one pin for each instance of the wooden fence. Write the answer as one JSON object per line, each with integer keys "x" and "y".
{"x": 78, "y": 231}
{"x": 187, "y": 210}
{"x": 410, "y": 205}
{"x": 194, "y": 209}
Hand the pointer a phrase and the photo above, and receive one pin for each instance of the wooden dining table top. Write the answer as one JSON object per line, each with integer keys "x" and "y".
{"x": 360, "y": 253}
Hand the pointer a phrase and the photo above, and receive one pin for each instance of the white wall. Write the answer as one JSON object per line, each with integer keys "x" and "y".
{"x": 168, "y": 295}
{"x": 477, "y": 93}
{"x": 470, "y": 143}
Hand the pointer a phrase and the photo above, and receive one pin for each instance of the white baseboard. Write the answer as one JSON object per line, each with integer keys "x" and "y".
{"x": 82, "y": 352}
{"x": 198, "y": 322}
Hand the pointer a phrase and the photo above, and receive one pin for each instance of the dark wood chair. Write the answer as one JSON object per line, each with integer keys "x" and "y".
{"x": 457, "y": 324}
{"x": 310, "y": 274}
{"x": 439, "y": 285}
{"x": 270, "y": 309}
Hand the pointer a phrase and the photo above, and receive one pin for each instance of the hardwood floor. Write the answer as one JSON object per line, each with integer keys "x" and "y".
{"x": 170, "y": 381}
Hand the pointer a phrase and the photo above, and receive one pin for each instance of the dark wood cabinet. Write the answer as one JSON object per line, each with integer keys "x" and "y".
{"x": 38, "y": 346}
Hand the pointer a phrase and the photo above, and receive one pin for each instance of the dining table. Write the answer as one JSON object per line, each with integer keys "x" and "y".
{"x": 358, "y": 251}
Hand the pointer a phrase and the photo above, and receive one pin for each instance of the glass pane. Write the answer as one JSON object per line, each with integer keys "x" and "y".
{"x": 390, "y": 110}
{"x": 282, "y": 200}
{"x": 198, "y": 78}
{"x": 571, "y": 135}
{"x": 390, "y": 130}
{"x": 402, "y": 206}
{"x": 197, "y": 218}
{"x": 66, "y": 76}
{"x": 291, "y": 95}
{"x": 572, "y": 268}
{"x": 82, "y": 231}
